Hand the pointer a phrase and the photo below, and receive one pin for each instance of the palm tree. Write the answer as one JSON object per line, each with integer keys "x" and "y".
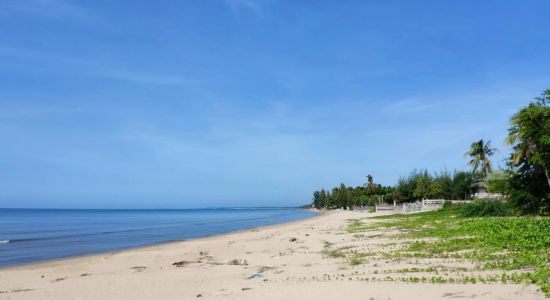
{"x": 480, "y": 152}
{"x": 530, "y": 135}
{"x": 371, "y": 187}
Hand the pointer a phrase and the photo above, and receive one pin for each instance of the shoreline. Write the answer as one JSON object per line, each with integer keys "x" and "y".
{"x": 113, "y": 252}
{"x": 293, "y": 260}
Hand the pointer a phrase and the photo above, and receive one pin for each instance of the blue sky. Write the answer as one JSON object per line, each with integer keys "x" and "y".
{"x": 176, "y": 104}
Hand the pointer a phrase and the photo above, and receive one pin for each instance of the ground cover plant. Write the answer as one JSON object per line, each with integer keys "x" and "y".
{"x": 517, "y": 246}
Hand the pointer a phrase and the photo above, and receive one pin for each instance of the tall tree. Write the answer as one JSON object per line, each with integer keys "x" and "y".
{"x": 480, "y": 153}
{"x": 371, "y": 187}
{"x": 529, "y": 135}
{"x": 323, "y": 198}
{"x": 343, "y": 196}
{"x": 316, "y": 199}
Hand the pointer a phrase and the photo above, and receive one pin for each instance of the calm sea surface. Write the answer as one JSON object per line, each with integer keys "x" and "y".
{"x": 31, "y": 235}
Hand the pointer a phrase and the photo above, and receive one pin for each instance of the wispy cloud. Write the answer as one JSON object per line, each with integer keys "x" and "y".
{"x": 139, "y": 77}
{"x": 407, "y": 106}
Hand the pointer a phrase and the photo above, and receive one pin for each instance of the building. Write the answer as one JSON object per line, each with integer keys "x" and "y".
{"x": 480, "y": 191}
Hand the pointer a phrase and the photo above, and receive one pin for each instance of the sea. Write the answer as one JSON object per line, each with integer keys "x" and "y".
{"x": 34, "y": 235}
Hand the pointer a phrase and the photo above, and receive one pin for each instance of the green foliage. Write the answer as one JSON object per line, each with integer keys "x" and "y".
{"x": 527, "y": 203}
{"x": 350, "y": 197}
{"x": 334, "y": 253}
{"x": 485, "y": 208}
{"x": 529, "y": 163}
{"x": 448, "y": 205}
{"x": 323, "y": 199}
{"x": 425, "y": 186}
{"x": 526, "y": 182}
{"x": 355, "y": 226}
{"x": 317, "y": 199}
{"x": 506, "y": 243}
{"x": 480, "y": 153}
{"x": 497, "y": 182}
{"x": 422, "y": 185}
{"x": 356, "y": 260}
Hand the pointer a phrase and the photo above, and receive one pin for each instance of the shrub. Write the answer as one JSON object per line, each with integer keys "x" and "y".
{"x": 448, "y": 206}
{"x": 485, "y": 208}
{"x": 526, "y": 203}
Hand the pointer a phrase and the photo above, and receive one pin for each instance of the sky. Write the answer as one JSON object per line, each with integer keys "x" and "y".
{"x": 186, "y": 104}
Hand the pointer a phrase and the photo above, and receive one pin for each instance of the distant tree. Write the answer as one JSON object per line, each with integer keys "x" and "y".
{"x": 444, "y": 181}
{"x": 497, "y": 182}
{"x": 406, "y": 186}
{"x": 316, "y": 199}
{"x": 480, "y": 153}
{"x": 323, "y": 198}
{"x": 397, "y": 196}
{"x": 462, "y": 185}
{"x": 343, "y": 196}
{"x": 425, "y": 186}
{"x": 371, "y": 187}
{"x": 330, "y": 200}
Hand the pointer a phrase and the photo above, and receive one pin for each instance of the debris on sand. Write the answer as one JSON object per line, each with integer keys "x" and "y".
{"x": 263, "y": 269}
{"x": 238, "y": 262}
{"x": 181, "y": 263}
{"x": 256, "y": 275}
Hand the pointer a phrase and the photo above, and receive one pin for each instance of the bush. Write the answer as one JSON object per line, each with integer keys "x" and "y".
{"x": 448, "y": 206}
{"x": 485, "y": 208}
{"x": 526, "y": 203}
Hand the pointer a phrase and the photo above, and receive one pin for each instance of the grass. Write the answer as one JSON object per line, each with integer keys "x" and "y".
{"x": 355, "y": 226}
{"x": 334, "y": 253}
{"x": 499, "y": 243}
{"x": 357, "y": 260}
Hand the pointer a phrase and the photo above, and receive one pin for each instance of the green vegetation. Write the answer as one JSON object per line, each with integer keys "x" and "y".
{"x": 529, "y": 163}
{"x": 356, "y": 260}
{"x": 525, "y": 182}
{"x": 356, "y": 226}
{"x": 445, "y": 185}
{"x": 349, "y": 197}
{"x": 520, "y": 245}
{"x": 480, "y": 152}
{"x": 490, "y": 208}
{"x": 334, "y": 253}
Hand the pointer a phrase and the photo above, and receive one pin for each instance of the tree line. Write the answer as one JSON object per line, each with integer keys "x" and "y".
{"x": 524, "y": 183}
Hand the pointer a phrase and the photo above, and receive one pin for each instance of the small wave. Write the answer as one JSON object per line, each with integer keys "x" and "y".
{"x": 4, "y": 242}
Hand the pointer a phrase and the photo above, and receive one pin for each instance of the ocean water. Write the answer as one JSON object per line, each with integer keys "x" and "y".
{"x": 32, "y": 235}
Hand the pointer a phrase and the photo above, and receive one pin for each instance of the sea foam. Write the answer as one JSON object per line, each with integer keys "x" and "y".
{"x": 4, "y": 242}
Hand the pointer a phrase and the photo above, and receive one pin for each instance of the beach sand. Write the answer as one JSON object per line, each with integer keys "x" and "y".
{"x": 282, "y": 262}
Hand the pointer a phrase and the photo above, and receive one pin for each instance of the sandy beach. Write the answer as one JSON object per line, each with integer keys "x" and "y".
{"x": 286, "y": 261}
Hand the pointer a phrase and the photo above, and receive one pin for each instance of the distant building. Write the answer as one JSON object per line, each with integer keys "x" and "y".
{"x": 480, "y": 191}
